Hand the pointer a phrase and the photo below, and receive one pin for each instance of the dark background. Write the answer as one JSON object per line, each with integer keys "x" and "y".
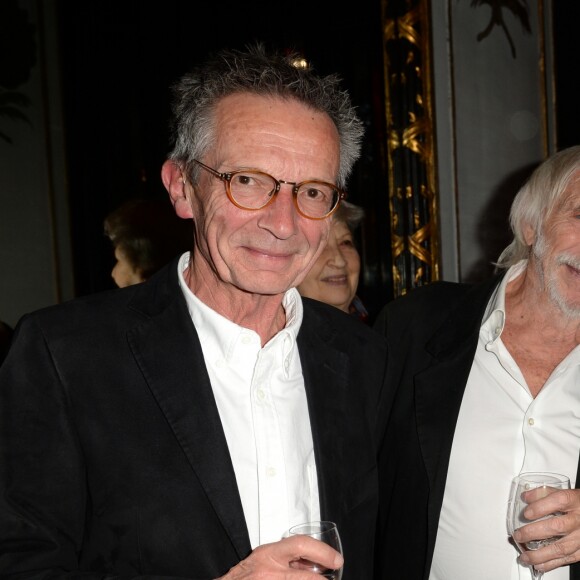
{"x": 118, "y": 61}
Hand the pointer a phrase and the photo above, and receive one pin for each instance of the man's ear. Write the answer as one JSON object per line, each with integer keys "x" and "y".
{"x": 175, "y": 183}
{"x": 529, "y": 234}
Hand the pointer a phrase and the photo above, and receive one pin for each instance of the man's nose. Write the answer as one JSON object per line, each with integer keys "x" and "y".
{"x": 280, "y": 217}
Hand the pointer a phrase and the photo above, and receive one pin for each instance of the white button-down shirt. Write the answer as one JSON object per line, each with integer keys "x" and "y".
{"x": 262, "y": 404}
{"x": 502, "y": 431}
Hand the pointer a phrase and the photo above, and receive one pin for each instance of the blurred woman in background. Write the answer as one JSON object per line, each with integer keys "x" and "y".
{"x": 146, "y": 234}
{"x": 334, "y": 277}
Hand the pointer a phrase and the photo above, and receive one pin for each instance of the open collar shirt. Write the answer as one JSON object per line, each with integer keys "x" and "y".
{"x": 261, "y": 399}
{"x": 502, "y": 431}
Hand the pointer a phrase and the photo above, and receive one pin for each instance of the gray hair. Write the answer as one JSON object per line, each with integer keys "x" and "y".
{"x": 536, "y": 201}
{"x": 349, "y": 213}
{"x": 197, "y": 93}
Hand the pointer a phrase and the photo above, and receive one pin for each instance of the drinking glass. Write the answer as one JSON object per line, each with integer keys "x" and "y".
{"x": 549, "y": 482}
{"x": 326, "y": 532}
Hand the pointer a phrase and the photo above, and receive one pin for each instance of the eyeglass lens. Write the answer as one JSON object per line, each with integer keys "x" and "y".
{"x": 253, "y": 190}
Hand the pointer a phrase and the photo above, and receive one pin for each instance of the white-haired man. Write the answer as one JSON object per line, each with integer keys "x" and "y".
{"x": 488, "y": 386}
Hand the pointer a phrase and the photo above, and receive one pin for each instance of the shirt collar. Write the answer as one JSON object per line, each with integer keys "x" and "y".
{"x": 494, "y": 318}
{"x": 224, "y": 333}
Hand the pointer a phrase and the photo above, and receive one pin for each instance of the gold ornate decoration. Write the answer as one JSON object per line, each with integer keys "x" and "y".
{"x": 410, "y": 144}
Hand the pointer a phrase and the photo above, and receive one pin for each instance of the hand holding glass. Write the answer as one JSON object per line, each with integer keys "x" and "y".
{"x": 326, "y": 532}
{"x": 549, "y": 482}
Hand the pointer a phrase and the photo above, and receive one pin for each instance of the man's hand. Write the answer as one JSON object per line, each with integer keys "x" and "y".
{"x": 566, "y": 550}
{"x": 278, "y": 560}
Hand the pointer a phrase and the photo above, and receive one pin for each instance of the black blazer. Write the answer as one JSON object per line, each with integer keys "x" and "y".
{"x": 113, "y": 457}
{"x": 432, "y": 336}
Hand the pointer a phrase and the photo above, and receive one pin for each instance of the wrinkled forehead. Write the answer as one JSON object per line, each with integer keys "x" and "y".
{"x": 244, "y": 111}
{"x": 574, "y": 185}
{"x": 571, "y": 195}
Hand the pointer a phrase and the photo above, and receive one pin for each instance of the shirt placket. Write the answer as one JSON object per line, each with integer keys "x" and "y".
{"x": 272, "y": 489}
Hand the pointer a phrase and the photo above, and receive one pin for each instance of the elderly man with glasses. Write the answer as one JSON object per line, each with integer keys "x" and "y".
{"x": 180, "y": 427}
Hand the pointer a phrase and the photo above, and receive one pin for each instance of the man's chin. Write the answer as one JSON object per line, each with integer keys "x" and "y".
{"x": 264, "y": 287}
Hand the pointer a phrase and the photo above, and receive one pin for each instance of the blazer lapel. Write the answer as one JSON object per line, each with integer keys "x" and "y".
{"x": 167, "y": 349}
{"x": 325, "y": 370}
{"x": 439, "y": 390}
{"x": 438, "y": 394}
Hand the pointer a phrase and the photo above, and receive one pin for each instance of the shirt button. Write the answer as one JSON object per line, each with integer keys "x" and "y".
{"x": 260, "y": 394}
{"x": 246, "y": 339}
{"x": 271, "y": 471}
{"x": 531, "y": 421}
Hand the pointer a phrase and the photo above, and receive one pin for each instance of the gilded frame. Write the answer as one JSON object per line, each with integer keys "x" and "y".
{"x": 410, "y": 150}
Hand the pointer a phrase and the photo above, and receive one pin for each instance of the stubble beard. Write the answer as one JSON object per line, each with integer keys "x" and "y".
{"x": 548, "y": 278}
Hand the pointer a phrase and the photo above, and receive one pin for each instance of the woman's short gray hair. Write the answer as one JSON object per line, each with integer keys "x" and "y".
{"x": 255, "y": 71}
{"x": 537, "y": 199}
{"x": 349, "y": 213}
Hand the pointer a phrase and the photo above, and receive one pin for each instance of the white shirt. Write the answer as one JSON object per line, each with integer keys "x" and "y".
{"x": 262, "y": 404}
{"x": 502, "y": 431}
